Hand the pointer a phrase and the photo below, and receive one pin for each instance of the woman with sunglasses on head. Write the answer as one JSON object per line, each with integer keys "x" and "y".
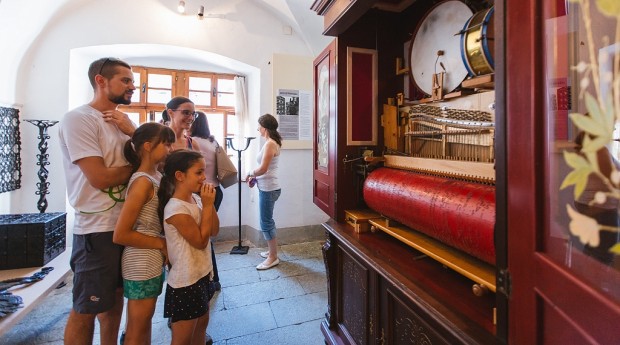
{"x": 179, "y": 115}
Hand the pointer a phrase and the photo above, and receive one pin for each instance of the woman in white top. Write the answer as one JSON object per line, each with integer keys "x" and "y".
{"x": 266, "y": 177}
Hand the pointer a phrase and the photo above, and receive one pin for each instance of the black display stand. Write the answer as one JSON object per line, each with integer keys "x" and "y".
{"x": 239, "y": 249}
{"x": 43, "y": 173}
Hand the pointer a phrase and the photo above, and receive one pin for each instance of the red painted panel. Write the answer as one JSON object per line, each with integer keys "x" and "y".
{"x": 560, "y": 330}
{"x": 324, "y": 143}
{"x": 361, "y": 94}
{"x": 321, "y": 192}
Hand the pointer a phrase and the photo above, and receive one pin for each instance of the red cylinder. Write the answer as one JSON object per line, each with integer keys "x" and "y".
{"x": 458, "y": 213}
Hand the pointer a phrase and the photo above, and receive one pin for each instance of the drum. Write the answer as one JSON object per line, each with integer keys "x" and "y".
{"x": 478, "y": 44}
{"x": 435, "y": 47}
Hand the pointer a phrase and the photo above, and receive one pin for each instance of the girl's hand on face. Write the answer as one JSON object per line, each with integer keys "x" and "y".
{"x": 207, "y": 194}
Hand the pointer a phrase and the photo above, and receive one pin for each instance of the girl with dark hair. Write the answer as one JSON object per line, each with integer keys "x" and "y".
{"x": 266, "y": 177}
{"x": 139, "y": 230}
{"x": 189, "y": 221}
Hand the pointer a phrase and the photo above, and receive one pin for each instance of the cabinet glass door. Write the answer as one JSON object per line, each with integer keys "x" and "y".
{"x": 583, "y": 112}
{"x": 578, "y": 257}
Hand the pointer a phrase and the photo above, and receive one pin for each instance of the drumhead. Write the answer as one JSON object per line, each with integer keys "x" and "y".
{"x": 439, "y": 30}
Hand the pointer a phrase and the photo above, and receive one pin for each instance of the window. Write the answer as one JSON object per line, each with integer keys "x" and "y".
{"x": 212, "y": 93}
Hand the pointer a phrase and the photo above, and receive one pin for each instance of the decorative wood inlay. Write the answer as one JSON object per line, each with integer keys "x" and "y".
{"x": 327, "y": 252}
{"x": 354, "y": 290}
{"x": 408, "y": 331}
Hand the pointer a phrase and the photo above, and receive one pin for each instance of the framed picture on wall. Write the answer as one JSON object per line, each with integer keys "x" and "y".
{"x": 362, "y": 125}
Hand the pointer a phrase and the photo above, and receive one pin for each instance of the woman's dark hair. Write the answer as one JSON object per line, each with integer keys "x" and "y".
{"x": 173, "y": 104}
{"x": 180, "y": 160}
{"x": 270, "y": 123}
{"x": 200, "y": 127}
{"x": 148, "y": 132}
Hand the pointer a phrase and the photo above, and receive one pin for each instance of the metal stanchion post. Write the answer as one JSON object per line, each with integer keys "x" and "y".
{"x": 239, "y": 249}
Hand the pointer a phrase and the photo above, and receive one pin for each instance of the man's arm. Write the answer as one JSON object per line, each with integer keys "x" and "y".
{"x": 102, "y": 177}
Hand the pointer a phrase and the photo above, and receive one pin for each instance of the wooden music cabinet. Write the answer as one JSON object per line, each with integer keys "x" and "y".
{"x": 548, "y": 290}
{"x": 382, "y": 292}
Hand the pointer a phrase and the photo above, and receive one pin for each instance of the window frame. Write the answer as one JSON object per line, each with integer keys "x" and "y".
{"x": 151, "y": 111}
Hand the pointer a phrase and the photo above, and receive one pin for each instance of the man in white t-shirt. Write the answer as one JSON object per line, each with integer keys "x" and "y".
{"x": 92, "y": 138}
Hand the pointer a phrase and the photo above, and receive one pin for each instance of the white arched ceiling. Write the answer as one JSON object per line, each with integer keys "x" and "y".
{"x": 24, "y": 20}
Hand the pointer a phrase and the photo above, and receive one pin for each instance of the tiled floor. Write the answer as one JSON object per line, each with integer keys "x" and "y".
{"x": 283, "y": 305}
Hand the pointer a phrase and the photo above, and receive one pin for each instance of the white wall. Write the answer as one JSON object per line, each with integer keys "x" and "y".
{"x": 50, "y": 75}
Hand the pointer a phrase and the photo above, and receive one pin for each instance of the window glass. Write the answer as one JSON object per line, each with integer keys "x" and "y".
{"x": 135, "y": 98}
{"x": 200, "y": 98}
{"x": 226, "y": 85}
{"x": 158, "y": 96}
{"x": 200, "y": 84}
{"x": 225, "y": 99}
{"x": 163, "y": 81}
{"x": 134, "y": 117}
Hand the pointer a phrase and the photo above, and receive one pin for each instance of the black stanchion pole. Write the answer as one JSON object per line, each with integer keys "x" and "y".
{"x": 239, "y": 249}
{"x": 43, "y": 156}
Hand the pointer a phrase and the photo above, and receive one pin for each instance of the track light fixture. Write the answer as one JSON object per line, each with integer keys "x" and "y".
{"x": 201, "y": 13}
{"x": 181, "y": 7}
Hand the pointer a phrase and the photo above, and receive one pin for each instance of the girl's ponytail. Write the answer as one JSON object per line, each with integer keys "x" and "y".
{"x": 131, "y": 155}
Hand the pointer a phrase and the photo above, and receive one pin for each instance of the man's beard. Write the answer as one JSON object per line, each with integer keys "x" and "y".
{"x": 120, "y": 100}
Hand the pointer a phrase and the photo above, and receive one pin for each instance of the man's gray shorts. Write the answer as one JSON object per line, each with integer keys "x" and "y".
{"x": 96, "y": 265}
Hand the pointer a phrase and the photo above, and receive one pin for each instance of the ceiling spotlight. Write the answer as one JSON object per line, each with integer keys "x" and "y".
{"x": 181, "y": 7}
{"x": 201, "y": 13}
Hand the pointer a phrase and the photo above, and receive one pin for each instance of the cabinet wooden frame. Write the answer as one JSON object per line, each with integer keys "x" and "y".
{"x": 362, "y": 85}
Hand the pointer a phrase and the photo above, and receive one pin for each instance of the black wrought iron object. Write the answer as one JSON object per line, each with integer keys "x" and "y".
{"x": 239, "y": 249}
{"x": 10, "y": 148}
{"x": 9, "y": 303}
{"x": 43, "y": 156}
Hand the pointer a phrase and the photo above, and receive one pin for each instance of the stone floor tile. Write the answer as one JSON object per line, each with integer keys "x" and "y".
{"x": 231, "y": 323}
{"x": 307, "y": 333}
{"x": 292, "y": 268}
{"x": 239, "y": 276}
{"x": 264, "y": 291}
{"x": 226, "y": 261}
{"x": 226, "y": 246}
{"x": 299, "y": 309}
{"x": 313, "y": 282}
{"x": 303, "y": 250}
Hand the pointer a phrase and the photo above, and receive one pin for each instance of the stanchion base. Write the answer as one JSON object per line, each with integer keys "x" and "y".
{"x": 240, "y": 250}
